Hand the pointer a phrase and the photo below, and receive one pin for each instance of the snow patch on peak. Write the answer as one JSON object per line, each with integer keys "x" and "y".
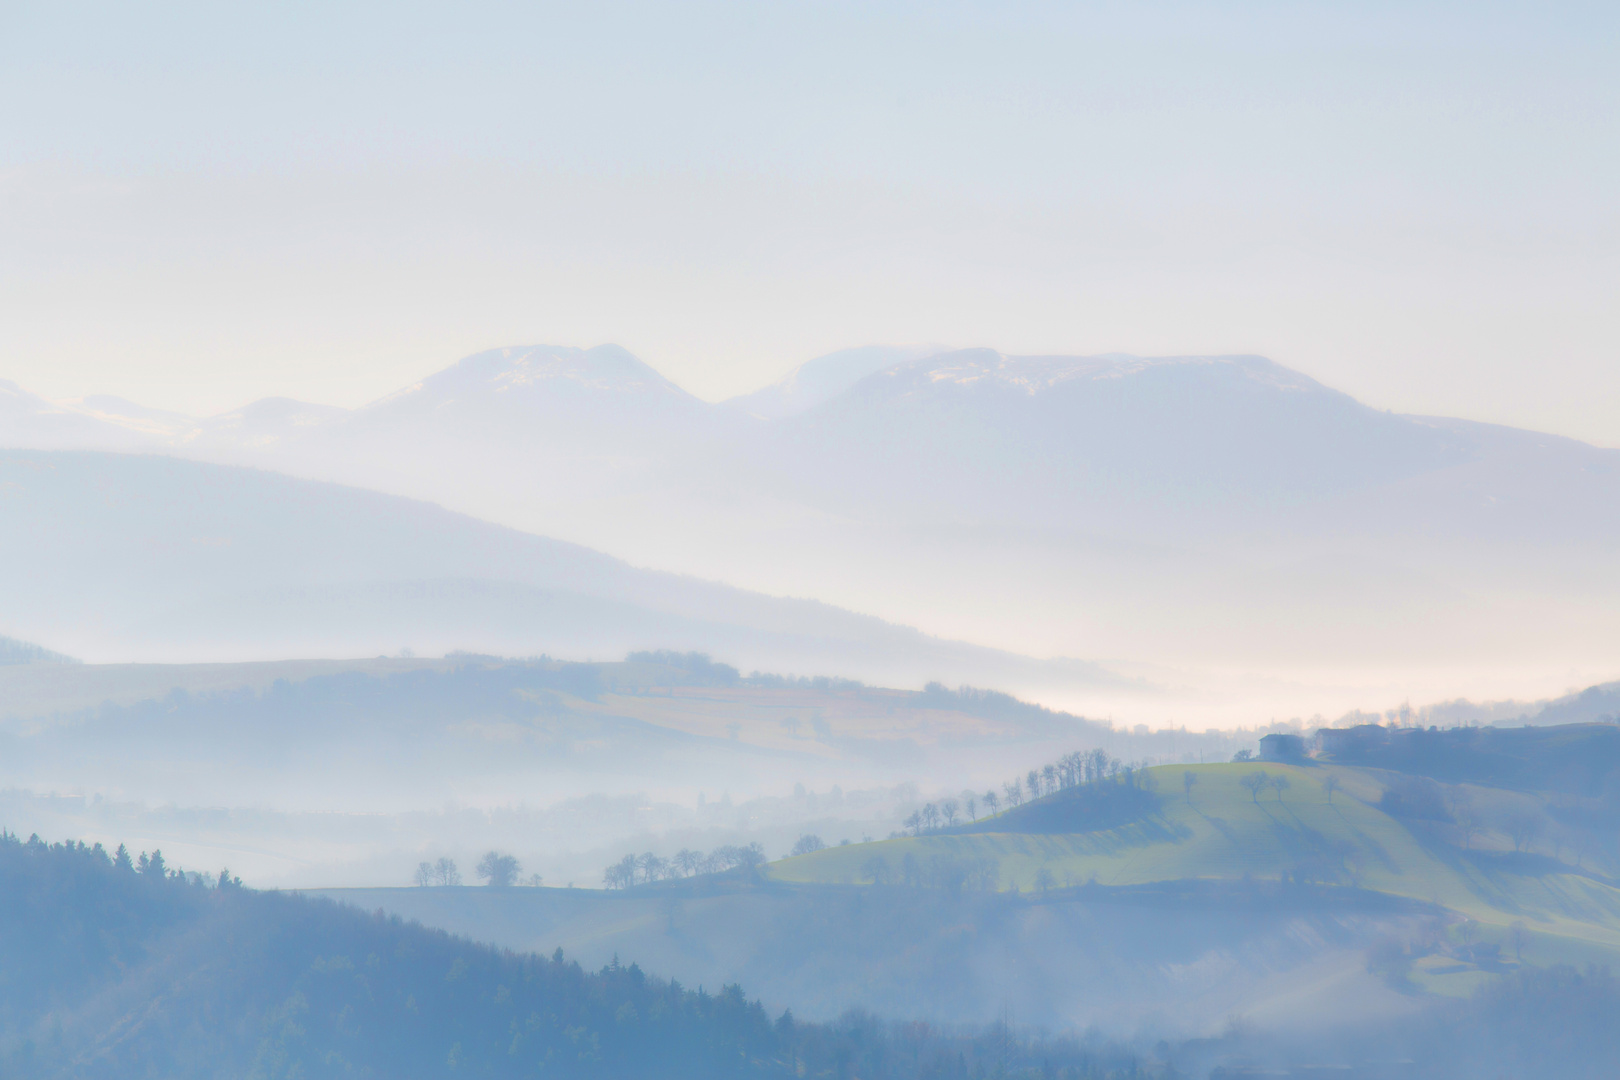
{"x": 606, "y": 367}
{"x": 516, "y": 371}
{"x": 1033, "y": 375}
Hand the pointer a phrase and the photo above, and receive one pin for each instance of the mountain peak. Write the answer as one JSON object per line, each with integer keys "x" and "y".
{"x": 520, "y": 372}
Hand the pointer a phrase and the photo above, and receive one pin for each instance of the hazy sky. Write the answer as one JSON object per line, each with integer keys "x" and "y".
{"x": 205, "y": 204}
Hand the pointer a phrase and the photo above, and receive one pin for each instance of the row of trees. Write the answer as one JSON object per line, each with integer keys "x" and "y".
{"x": 1069, "y": 771}
{"x": 501, "y": 871}
{"x": 646, "y": 868}
{"x": 932, "y": 818}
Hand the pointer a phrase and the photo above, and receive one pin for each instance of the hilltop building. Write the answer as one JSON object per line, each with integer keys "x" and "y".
{"x": 1340, "y": 740}
{"x": 1282, "y": 748}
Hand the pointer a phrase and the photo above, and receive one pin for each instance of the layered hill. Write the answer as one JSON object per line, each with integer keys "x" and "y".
{"x": 122, "y": 967}
{"x": 150, "y": 558}
{"x": 1193, "y": 511}
{"x": 118, "y": 969}
{"x": 317, "y": 772}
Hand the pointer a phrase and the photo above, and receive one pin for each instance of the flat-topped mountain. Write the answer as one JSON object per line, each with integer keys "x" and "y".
{"x": 1048, "y": 439}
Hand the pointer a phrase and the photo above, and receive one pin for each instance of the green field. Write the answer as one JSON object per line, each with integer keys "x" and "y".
{"x": 1221, "y": 831}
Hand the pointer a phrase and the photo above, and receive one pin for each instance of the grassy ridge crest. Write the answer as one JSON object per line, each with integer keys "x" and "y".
{"x": 1325, "y": 827}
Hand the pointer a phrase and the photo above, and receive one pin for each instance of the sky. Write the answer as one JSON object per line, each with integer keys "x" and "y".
{"x": 205, "y": 204}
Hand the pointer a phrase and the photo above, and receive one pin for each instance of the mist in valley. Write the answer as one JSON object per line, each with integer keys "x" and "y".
{"x": 834, "y": 543}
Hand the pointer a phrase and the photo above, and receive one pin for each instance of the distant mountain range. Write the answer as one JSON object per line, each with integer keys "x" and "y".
{"x": 1199, "y": 511}
{"x": 1076, "y": 446}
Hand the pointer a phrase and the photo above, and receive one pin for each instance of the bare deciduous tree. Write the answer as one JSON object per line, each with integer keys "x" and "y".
{"x": 1097, "y": 762}
{"x": 1518, "y": 934}
{"x": 1523, "y": 827}
{"x": 1464, "y": 813}
{"x": 651, "y": 867}
{"x": 621, "y": 875}
{"x": 1256, "y": 783}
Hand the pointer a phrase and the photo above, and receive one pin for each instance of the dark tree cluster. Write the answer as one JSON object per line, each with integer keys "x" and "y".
{"x": 698, "y": 668}
{"x": 1575, "y": 759}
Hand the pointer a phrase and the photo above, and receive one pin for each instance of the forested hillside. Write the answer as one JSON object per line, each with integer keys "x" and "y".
{"x": 117, "y": 969}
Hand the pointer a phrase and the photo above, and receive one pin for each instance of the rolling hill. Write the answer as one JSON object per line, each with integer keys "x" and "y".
{"x": 1177, "y": 896}
{"x": 1216, "y": 828}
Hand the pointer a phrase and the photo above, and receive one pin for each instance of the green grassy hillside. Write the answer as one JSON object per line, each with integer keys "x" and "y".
{"x": 1222, "y": 830}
